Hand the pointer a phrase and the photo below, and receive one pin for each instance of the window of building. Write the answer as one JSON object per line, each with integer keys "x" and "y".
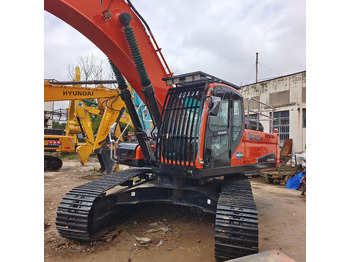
{"x": 281, "y": 123}
{"x": 304, "y": 117}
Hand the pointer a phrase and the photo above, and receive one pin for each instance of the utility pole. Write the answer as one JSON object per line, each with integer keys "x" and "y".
{"x": 256, "y": 68}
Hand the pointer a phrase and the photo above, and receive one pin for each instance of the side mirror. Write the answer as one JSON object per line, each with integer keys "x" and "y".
{"x": 214, "y": 105}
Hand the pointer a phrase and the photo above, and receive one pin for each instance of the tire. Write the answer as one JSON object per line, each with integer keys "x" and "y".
{"x": 55, "y": 164}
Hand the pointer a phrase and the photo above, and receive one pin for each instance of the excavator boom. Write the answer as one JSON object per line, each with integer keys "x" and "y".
{"x": 99, "y": 22}
{"x": 60, "y": 92}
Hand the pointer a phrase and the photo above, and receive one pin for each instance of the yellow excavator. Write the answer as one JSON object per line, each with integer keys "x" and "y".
{"x": 110, "y": 107}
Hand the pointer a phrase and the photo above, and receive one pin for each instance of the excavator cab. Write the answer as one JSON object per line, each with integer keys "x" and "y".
{"x": 201, "y": 123}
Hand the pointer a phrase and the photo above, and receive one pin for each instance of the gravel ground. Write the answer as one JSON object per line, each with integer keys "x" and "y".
{"x": 185, "y": 235}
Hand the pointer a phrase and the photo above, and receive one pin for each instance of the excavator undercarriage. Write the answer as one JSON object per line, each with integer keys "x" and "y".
{"x": 88, "y": 212}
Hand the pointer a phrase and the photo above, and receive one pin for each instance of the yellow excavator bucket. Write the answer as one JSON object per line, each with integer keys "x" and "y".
{"x": 84, "y": 151}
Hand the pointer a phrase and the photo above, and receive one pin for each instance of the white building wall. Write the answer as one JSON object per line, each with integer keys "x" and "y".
{"x": 285, "y": 93}
{"x": 49, "y": 106}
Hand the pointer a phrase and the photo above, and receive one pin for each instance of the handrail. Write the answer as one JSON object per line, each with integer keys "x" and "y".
{"x": 259, "y": 113}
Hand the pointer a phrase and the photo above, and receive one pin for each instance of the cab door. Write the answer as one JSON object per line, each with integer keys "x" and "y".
{"x": 217, "y": 141}
{"x": 237, "y": 124}
{"x": 224, "y": 129}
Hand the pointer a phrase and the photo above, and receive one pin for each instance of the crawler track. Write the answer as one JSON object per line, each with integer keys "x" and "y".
{"x": 85, "y": 212}
{"x": 236, "y": 224}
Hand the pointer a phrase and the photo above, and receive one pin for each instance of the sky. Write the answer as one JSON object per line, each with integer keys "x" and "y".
{"x": 220, "y": 38}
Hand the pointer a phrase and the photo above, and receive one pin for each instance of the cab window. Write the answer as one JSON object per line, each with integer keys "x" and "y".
{"x": 220, "y": 122}
{"x": 237, "y": 119}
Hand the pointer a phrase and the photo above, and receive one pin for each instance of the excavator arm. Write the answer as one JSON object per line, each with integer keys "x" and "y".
{"x": 112, "y": 111}
{"x": 99, "y": 22}
{"x": 122, "y": 34}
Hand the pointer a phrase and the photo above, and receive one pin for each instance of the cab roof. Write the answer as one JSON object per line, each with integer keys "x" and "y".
{"x": 196, "y": 78}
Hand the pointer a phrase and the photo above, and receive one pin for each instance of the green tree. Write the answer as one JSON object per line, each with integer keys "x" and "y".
{"x": 58, "y": 125}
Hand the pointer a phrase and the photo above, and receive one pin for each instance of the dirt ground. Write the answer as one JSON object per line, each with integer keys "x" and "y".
{"x": 184, "y": 234}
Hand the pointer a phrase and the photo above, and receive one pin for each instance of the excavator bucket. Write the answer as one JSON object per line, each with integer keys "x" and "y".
{"x": 107, "y": 164}
{"x": 103, "y": 155}
{"x": 83, "y": 153}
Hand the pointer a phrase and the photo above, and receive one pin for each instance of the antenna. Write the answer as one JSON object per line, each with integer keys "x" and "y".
{"x": 256, "y": 68}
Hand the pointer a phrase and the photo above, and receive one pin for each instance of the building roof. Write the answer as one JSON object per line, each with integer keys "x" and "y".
{"x": 274, "y": 78}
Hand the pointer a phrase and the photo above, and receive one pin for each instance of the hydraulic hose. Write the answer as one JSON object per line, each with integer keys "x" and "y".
{"x": 148, "y": 89}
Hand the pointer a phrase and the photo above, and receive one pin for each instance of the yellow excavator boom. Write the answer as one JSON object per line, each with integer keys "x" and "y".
{"x": 58, "y": 92}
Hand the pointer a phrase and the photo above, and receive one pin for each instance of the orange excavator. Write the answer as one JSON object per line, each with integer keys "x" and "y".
{"x": 196, "y": 154}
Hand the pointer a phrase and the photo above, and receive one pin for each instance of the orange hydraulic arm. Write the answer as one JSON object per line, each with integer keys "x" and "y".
{"x": 99, "y": 22}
